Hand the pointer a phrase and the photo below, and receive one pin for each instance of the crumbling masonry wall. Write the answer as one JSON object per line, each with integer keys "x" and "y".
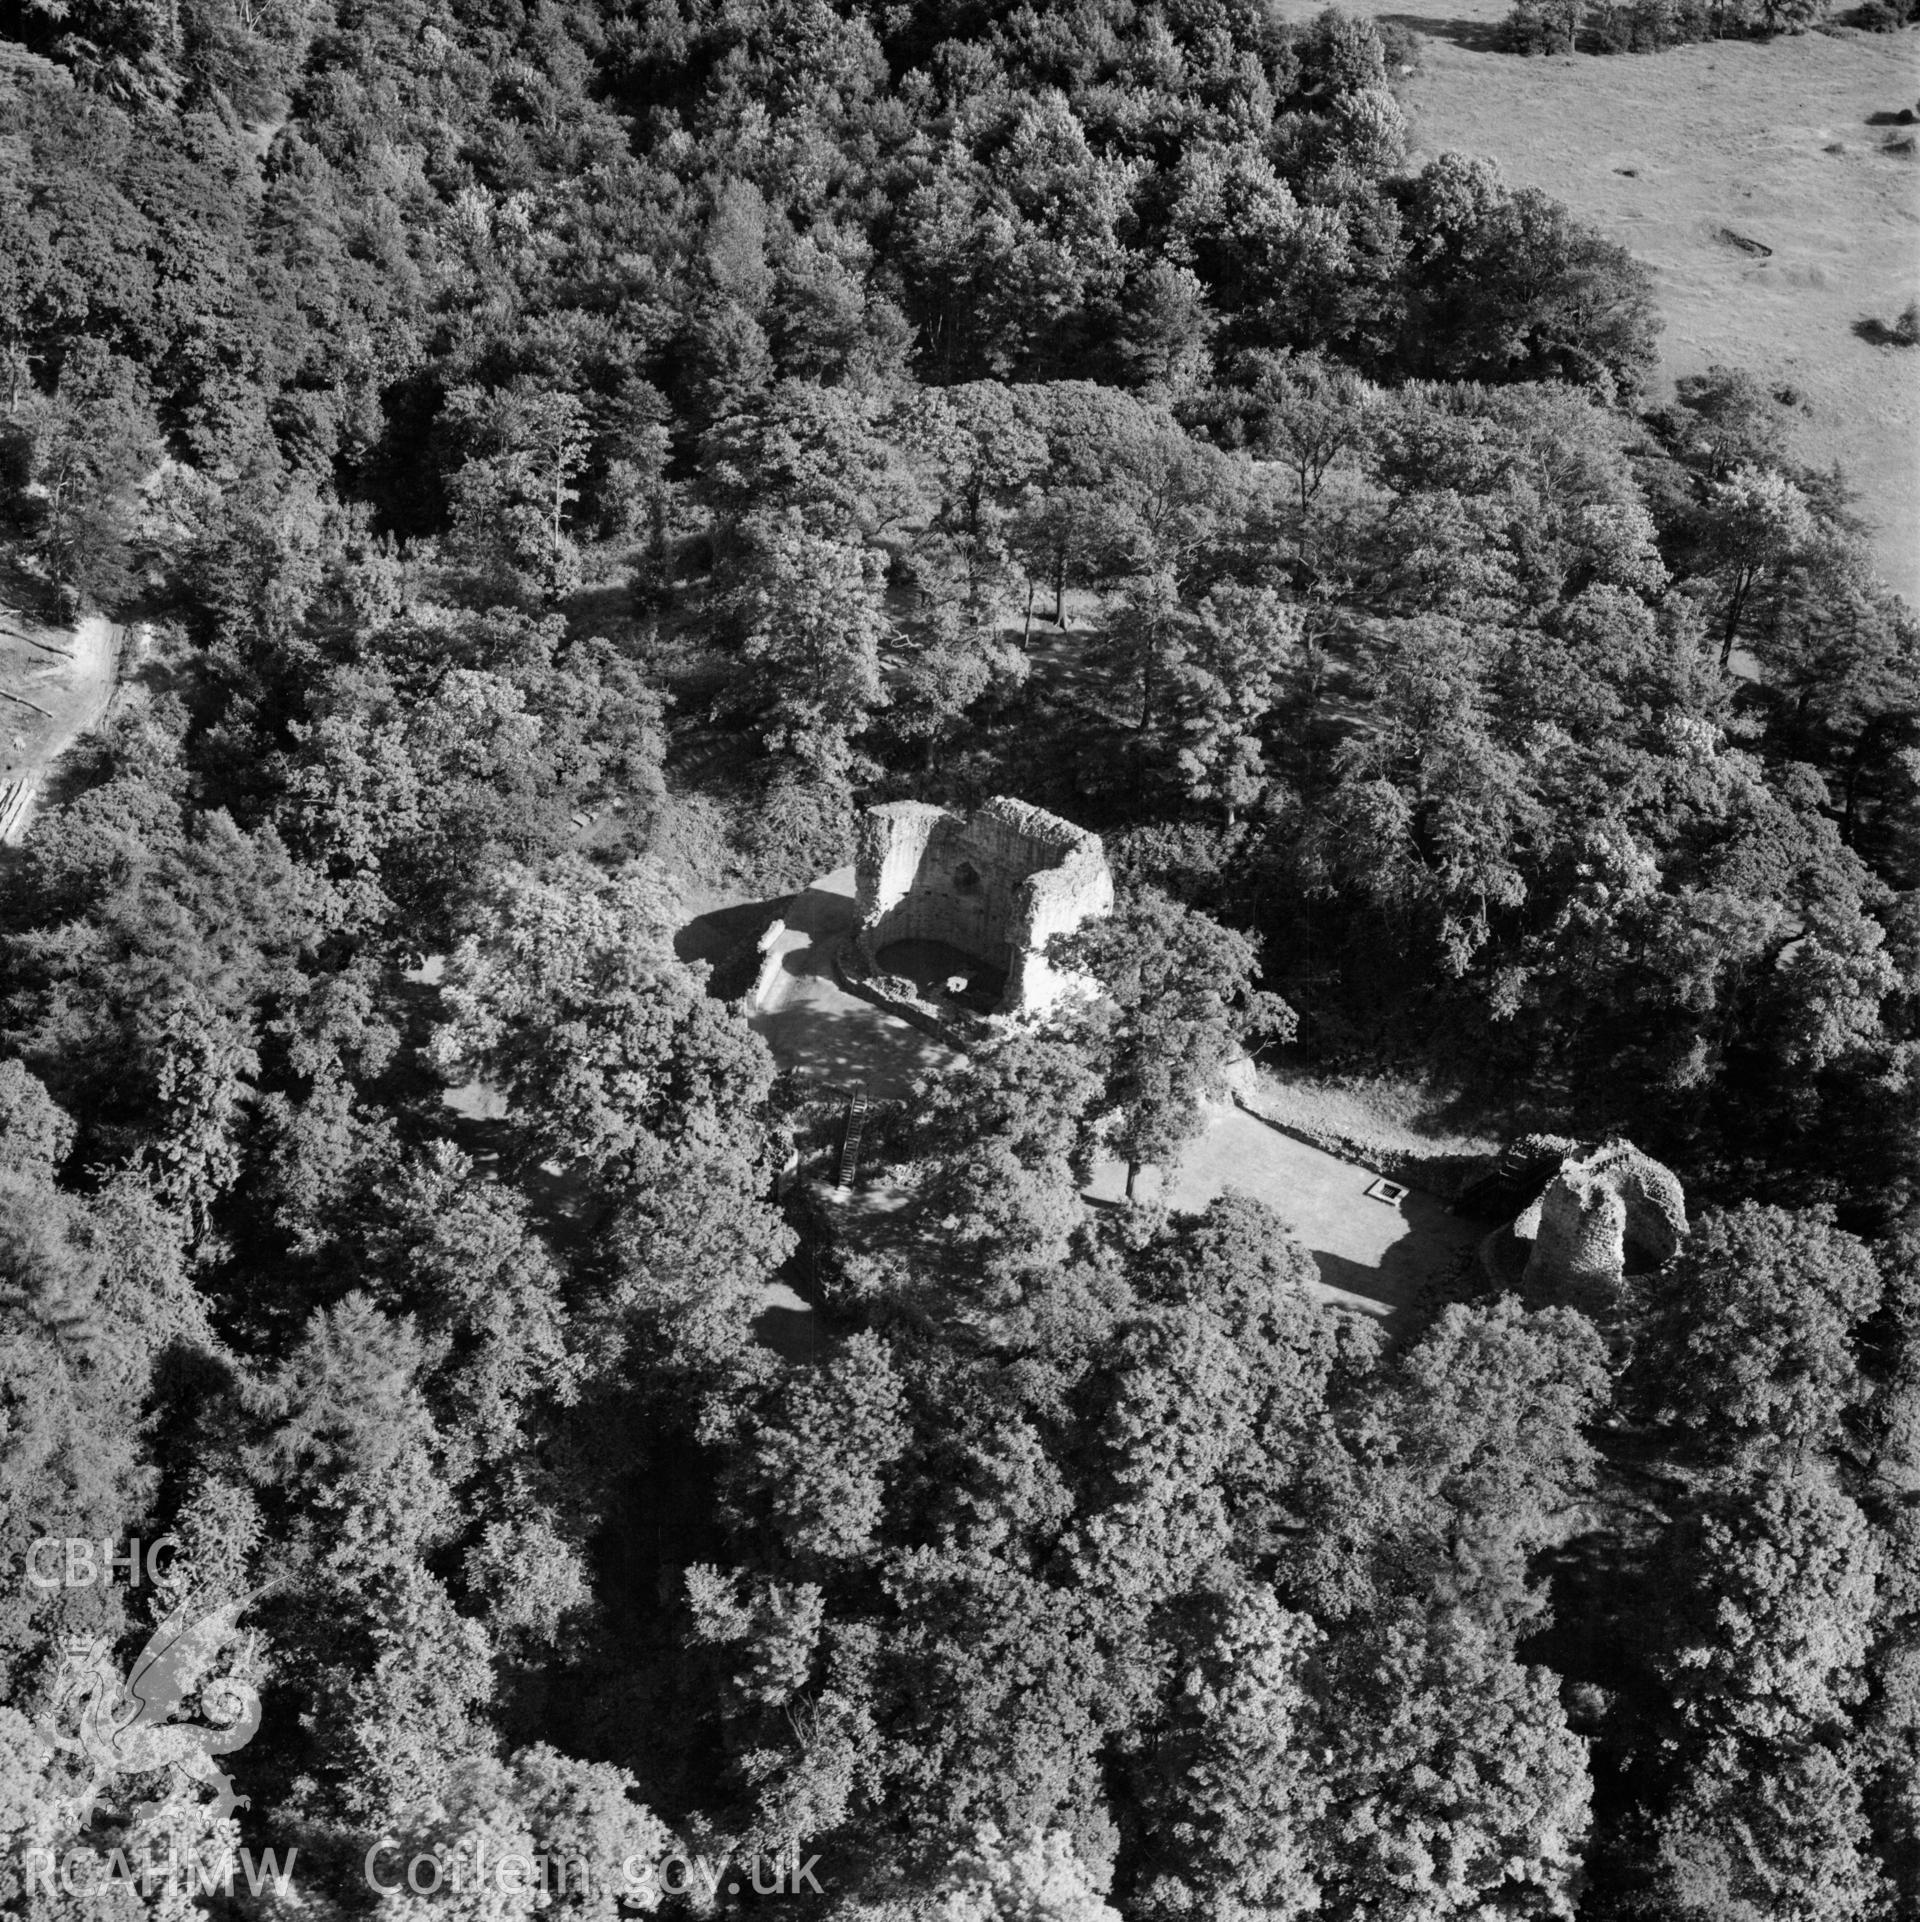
{"x": 997, "y": 885}
{"x": 1609, "y": 1212}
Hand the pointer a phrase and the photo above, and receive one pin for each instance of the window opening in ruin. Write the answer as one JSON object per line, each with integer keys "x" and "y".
{"x": 966, "y": 877}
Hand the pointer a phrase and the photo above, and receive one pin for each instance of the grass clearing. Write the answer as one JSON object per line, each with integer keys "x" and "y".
{"x": 1373, "y": 1255}
{"x": 1668, "y": 153}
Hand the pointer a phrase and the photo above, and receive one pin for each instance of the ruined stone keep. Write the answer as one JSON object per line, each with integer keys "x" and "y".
{"x": 997, "y": 886}
{"x": 1610, "y": 1212}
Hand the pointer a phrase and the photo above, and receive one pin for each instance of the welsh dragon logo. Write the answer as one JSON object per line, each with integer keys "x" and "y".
{"x": 122, "y": 1727}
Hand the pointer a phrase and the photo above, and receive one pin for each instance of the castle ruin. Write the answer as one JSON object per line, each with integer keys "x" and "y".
{"x": 996, "y": 886}
{"x": 1609, "y": 1212}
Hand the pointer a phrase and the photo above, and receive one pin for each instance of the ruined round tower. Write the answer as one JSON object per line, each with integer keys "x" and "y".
{"x": 1610, "y": 1211}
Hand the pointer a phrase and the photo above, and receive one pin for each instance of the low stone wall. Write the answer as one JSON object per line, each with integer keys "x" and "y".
{"x": 1434, "y": 1171}
{"x": 773, "y": 957}
{"x": 957, "y": 1027}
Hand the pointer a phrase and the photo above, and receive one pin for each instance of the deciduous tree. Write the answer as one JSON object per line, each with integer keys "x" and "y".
{"x": 1750, "y": 1334}
{"x": 1181, "y": 1001}
{"x": 1235, "y": 1790}
{"x": 1774, "y": 1611}
{"x": 1455, "y": 1785}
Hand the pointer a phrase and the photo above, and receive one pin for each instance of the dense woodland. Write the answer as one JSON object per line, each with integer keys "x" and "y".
{"x": 1649, "y": 26}
{"x": 745, "y": 411}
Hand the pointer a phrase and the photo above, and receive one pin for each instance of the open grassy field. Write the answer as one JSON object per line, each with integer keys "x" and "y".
{"x": 1664, "y": 152}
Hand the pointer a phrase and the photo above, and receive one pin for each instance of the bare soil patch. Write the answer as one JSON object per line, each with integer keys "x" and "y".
{"x": 55, "y": 683}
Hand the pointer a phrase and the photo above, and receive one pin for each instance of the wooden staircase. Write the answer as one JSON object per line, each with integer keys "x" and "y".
{"x": 850, "y": 1139}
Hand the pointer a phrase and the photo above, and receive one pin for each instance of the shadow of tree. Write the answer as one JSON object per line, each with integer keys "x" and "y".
{"x": 727, "y": 943}
{"x": 834, "y": 1041}
{"x": 1476, "y": 36}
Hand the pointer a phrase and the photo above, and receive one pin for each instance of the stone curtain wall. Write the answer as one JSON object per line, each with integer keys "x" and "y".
{"x": 1073, "y": 886}
{"x": 894, "y": 864}
{"x": 921, "y": 877}
{"x": 998, "y": 885}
